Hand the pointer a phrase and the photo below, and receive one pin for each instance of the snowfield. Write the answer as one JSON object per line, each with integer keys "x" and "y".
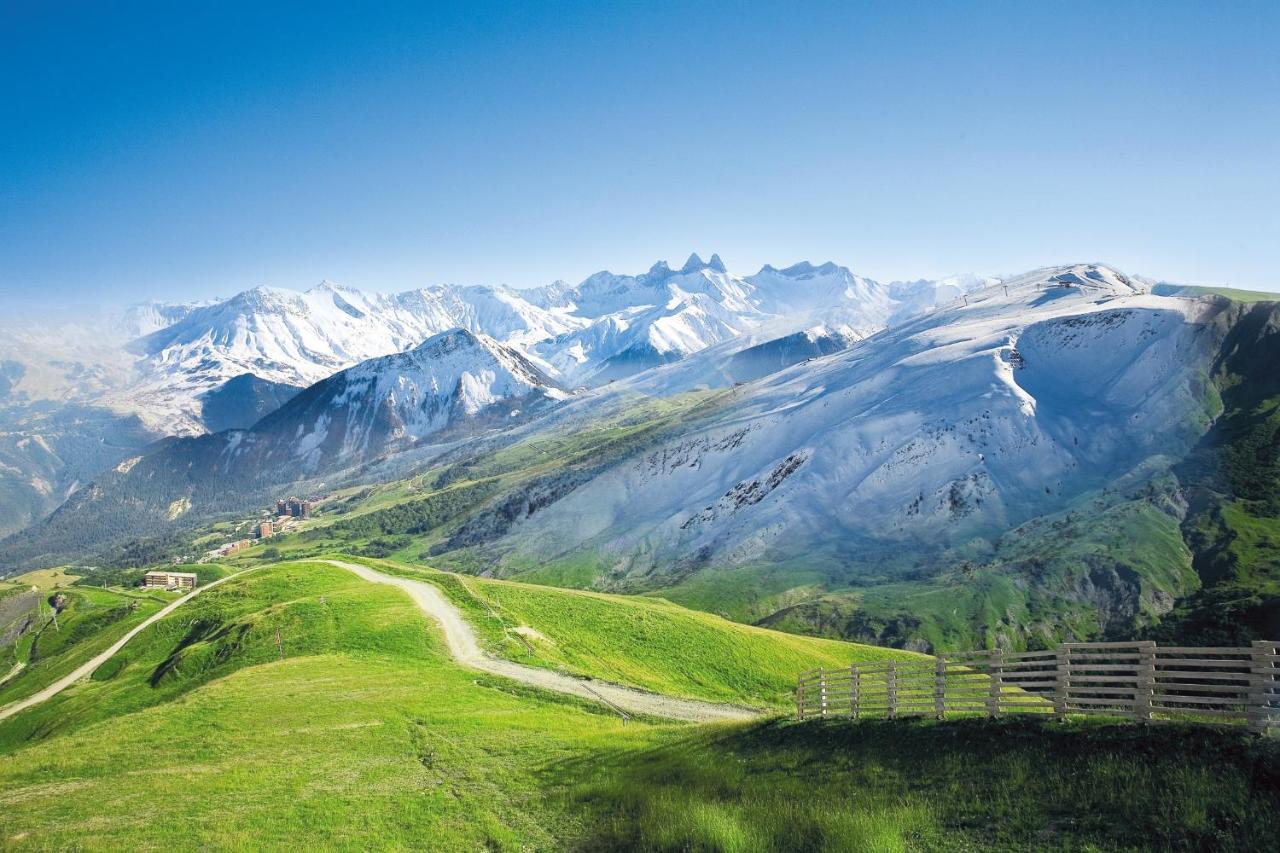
{"x": 608, "y": 327}
{"x": 959, "y": 423}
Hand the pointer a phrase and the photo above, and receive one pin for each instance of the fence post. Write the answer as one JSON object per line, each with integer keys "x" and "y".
{"x": 1061, "y": 682}
{"x": 1146, "y": 681}
{"x": 940, "y": 687}
{"x": 800, "y": 698}
{"x": 1262, "y": 668}
{"x": 822, "y": 689}
{"x": 891, "y": 689}
{"x": 996, "y": 675}
{"x": 854, "y": 678}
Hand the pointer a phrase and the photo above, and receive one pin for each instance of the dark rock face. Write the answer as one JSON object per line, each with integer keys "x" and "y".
{"x": 632, "y": 361}
{"x": 241, "y": 402}
{"x": 772, "y": 356}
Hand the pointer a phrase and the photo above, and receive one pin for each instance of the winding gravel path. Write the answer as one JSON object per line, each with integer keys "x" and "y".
{"x": 463, "y": 646}
{"x": 86, "y": 669}
{"x": 466, "y": 650}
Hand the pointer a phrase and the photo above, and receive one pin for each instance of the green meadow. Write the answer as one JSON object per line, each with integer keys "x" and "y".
{"x": 641, "y": 641}
{"x": 299, "y": 707}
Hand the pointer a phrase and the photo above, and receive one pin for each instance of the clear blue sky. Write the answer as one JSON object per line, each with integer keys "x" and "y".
{"x": 182, "y": 149}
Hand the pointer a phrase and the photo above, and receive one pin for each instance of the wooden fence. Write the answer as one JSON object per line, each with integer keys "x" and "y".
{"x": 1140, "y": 681}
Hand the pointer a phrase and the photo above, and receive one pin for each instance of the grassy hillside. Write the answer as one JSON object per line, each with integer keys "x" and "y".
{"x": 347, "y": 750}
{"x": 91, "y": 621}
{"x": 268, "y": 615}
{"x": 923, "y": 785}
{"x": 1232, "y": 481}
{"x": 355, "y": 732}
{"x": 645, "y": 642}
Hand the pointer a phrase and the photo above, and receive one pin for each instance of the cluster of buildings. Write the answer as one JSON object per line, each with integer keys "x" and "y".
{"x": 288, "y": 512}
{"x": 230, "y": 548}
{"x": 293, "y": 508}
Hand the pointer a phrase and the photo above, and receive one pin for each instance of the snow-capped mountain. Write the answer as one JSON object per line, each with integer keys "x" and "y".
{"x": 189, "y": 368}
{"x": 394, "y": 401}
{"x": 665, "y": 315}
{"x": 772, "y": 356}
{"x": 453, "y": 386}
{"x": 958, "y": 424}
{"x": 605, "y": 328}
{"x": 297, "y": 339}
{"x": 146, "y": 318}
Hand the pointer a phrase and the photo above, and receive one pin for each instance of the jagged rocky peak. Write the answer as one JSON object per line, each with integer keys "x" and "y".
{"x": 695, "y": 263}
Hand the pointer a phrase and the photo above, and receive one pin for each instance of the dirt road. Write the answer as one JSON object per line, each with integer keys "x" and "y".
{"x": 85, "y": 670}
{"x": 466, "y": 650}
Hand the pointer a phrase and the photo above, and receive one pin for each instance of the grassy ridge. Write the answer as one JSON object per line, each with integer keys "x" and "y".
{"x": 403, "y": 519}
{"x": 645, "y": 642}
{"x": 1229, "y": 292}
{"x": 277, "y": 612}
{"x": 365, "y": 735}
{"x": 354, "y": 729}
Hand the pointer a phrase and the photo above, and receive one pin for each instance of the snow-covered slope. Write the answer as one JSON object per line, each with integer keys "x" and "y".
{"x": 606, "y": 328}
{"x": 300, "y": 338}
{"x": 638, "y": 322}
{"x": 452, "y": 378}
{"x": 954, "y": 425}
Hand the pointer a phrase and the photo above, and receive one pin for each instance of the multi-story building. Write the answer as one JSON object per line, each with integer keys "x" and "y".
{"x": 294, "y": 507}
{"x": 169, "y": 580}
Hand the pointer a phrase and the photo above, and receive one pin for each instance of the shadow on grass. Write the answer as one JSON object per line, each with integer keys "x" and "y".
{"x": 224, "y": 641}
{"x": 1010, "y": 784}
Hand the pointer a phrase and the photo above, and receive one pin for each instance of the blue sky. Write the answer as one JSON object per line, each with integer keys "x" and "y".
{"x": 186, "y": 150}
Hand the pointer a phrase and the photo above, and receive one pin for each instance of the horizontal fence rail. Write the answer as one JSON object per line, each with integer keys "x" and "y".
{"x": 1140, "y": 681}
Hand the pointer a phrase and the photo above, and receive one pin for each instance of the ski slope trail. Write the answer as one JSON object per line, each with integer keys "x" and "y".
{"x": 87, "y": 669}
{"x": 465, "y": 649}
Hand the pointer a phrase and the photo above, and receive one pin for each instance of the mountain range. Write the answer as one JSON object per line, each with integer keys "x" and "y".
{"x": 924, "y": 463}
{"x": 162, "y": 369}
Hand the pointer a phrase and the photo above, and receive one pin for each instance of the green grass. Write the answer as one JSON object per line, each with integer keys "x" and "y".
{"x": 363, "y": 734}
{"x": 92, "y": 620}
{"x": 1013, "y": 784}
{"x": 646, "y": 642}
{"x": 132, "y": 578}
{"x": 45, "y": 579}
{"x": 337, "y": 750}
{"x": 366, "y": 736}
{"x": 316, "y": 609}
